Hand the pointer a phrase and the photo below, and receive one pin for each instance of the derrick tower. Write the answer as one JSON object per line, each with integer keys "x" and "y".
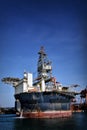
{"x": 44, "y": 67}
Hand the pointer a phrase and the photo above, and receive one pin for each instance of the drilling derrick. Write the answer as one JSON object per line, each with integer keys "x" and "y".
{"x": 44, "y": 67}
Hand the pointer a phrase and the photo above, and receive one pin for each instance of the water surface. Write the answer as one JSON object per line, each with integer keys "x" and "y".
{"x": 78, "y": 121}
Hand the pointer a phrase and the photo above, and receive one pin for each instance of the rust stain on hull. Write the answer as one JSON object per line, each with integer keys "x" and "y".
{"x": 48, "y": 114}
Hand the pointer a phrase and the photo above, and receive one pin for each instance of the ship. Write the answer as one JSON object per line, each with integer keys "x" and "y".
{"x": 43, "y": 96}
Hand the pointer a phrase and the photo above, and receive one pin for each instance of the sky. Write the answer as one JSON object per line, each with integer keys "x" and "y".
{"x": 58, "y": 25}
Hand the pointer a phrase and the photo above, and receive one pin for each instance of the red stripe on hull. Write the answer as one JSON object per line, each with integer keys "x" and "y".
{"x": 48, "y": 114}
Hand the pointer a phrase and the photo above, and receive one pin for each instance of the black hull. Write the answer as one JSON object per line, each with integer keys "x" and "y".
{"x": 43, "y": 101}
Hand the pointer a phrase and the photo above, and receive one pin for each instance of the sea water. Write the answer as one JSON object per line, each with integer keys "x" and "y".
{"x": 78, "y": 121}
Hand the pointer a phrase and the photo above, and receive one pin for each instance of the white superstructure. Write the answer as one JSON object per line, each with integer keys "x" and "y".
{"x": 24, "y": 84}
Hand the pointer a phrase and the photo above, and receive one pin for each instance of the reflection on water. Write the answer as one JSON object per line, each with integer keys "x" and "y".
{"x": 76, "y": 122}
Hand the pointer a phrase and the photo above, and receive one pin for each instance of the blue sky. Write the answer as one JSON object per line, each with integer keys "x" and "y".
{"x": 58, "y": 25}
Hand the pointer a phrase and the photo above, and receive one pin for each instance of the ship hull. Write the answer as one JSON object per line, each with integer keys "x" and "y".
{"x": 43, "y": 105}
